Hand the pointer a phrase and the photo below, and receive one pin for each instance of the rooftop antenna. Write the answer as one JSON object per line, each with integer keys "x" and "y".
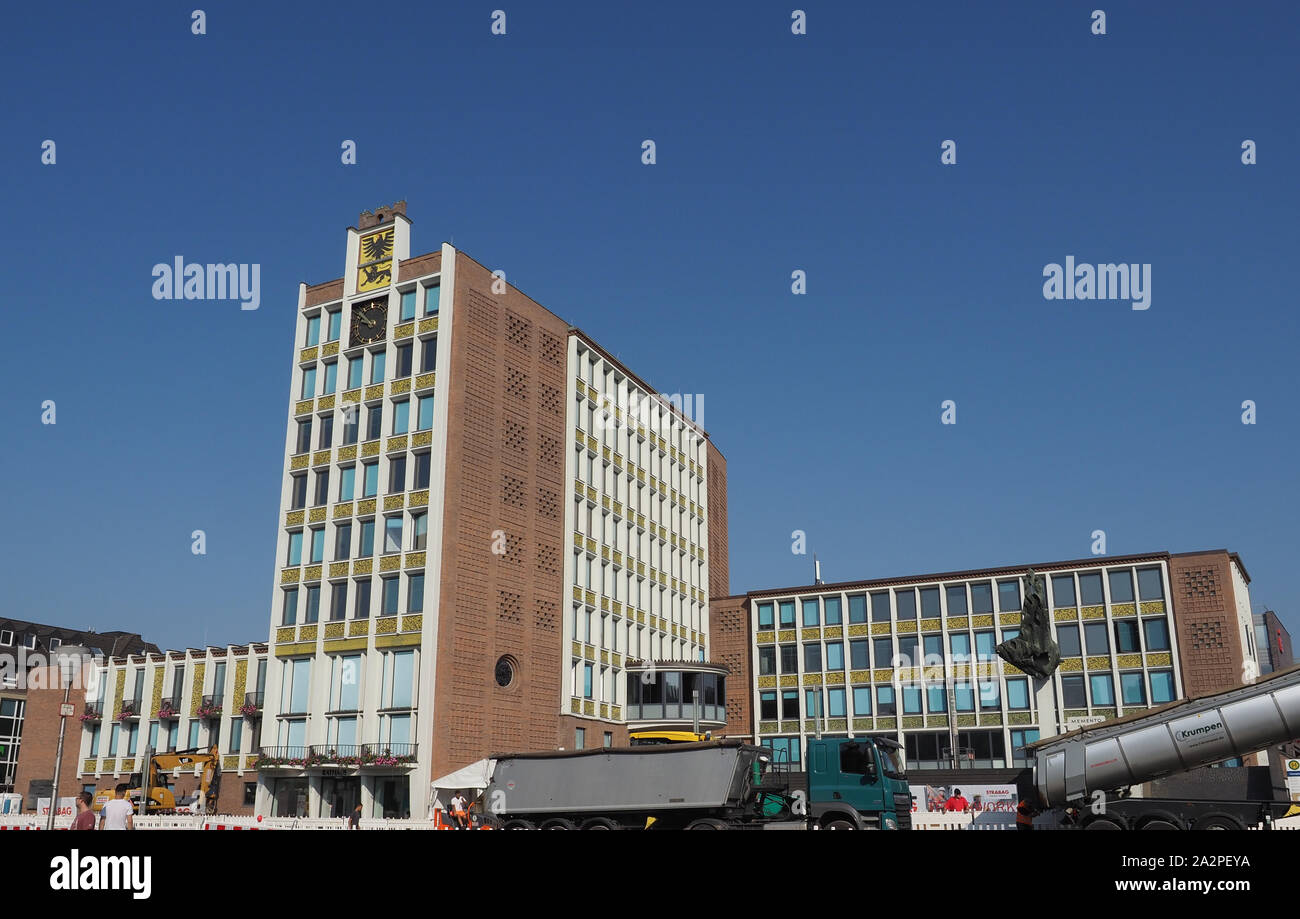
{"x": 817, "y": 571}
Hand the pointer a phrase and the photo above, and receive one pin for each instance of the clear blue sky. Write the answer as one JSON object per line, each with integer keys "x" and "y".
{"x": 775, "y": 152}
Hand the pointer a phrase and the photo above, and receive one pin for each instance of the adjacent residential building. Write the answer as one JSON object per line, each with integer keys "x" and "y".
{"x": 484, "y": 515}
{"x": 1273, "y": 642}
{"x": 913, "y": 657}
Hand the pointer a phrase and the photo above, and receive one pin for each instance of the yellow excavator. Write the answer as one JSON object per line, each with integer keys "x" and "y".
{"x": 153, "y": 780}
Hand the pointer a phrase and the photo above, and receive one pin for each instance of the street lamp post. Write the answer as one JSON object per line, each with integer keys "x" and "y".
{"x": 65, "y": 710}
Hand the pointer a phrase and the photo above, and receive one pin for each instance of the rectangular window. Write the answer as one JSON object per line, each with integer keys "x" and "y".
{"x": 1133, "y": 689}
{"x": 309, "y": 384}
{"x": 880, "y": 606}
{"x": 370, "y": 480}
{"x": 1126, "y": 637}
{"x": 194, "y": 734}
{"x": 363, "y": 599}
{"x": 377, "y": 361}
{"x": 936, "y": 699}
{"x": 861, "y": 701}
{"x": 587, "y": 671}
{"x": 1067, "y": 636}
{"x": 420, "y": 531}
{"x": 1103, "y": 689}
{"x": 1062, "y": 590}
{"x": 402, "y": 416}
{"x": 765, "y": 620}
{"x": 981, "y": 598}
{"x": 858, "y": 608}
{"x": 956, "y": 600}
{"x": 374, "y": 421}
{"x": 789, "y": 658}
{"x": 835, "y": 655}
{"x": 1073, "y": 694}
{"x": 1008, "y": 596}
{"x": 832, "y": 605}
{"x": 403, "y": 673}
{"x": 421, "y": 470}
{"x": 859, "y": 655}
{"x": 933, "y": 645}
{"x": 322, "y": 488}
{"x": 1090, "y": 589}
{"x": 812, "y": 700}
{"x": 790, "y": 704}
{"x": 342, "y": 541}
{"x": 930, "y": 602}
{"x": 415, "y": 593}
{"x": 959, "y": 642}
{"x": 407, "y": 305}
{"x": 906, "y": 600}
{"x": 392, "y": 535}
{"x": 984, "y": 644}
{"x": 313, "y": 604}
{"x": 351, "y": 423}
{"x": 767, "y": 706}
{"x": 339, "y": 600}
{"x": 289, "y": 609}
{"x": 964, "y": 698}
{"x": 1162, "y": 686}
{"x": 911, "y": 700}
{"x": 326, "y": 439}
{"x": 767, "y": 661}
{"x": 397, "y": 474}
{"x": 317, "y": 545}
{"x": 1150, "y": 584}
{"x": 355, "y": 369}
{"x": 1121, "y": 586}
{"x": 431, "y": 300}
{"x": 347, "y": 483}
{"x": 331, "y": 378}
{"x": 883, "y": 651}
{"x": 1095, "y": 638}
{"x": 580, "y": 738}
{"x": 811, "y": 614}
{"x": 1017, "y": 693}
{"x": 787, "y": 614}
{"x": 303, "y": 443}
{"x": 812, "y": 657}
{"x": 1157, "y": 634}
{"x": 990, "y": 697}
{"x": 334, "y": 326}
{"x": 885, "y": 705}
{"x": 404, "y": 353}
{"x": 295, "y": 548}
{"x": 390, "y": 596}
{"x": 907, "y": 651}
{"x": 313, "y": 331}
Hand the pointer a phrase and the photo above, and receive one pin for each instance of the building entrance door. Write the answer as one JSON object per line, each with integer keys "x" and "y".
{"x": 339, "y": 796}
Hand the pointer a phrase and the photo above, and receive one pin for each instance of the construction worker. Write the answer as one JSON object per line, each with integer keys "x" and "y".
{"x": 458, "y": 810}
{"x": 1024, "y": 815}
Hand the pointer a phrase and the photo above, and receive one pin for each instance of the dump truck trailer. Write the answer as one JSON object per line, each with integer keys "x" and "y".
{"x": 1085, "y": 776}
{"x": 717, "y": 785}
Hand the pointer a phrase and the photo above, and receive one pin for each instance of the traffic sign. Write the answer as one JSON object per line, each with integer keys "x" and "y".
{"x": 1293, "y": 767}
{"x": 66, "y": 710}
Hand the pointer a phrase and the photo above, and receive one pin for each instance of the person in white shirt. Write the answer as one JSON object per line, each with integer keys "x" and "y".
{"x": 458, "y": 810}
{"x": 118, "y": 814}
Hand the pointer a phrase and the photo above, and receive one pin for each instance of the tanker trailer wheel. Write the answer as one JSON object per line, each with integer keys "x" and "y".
{"x": 839, "y": 825}
{"x": 518, "y": 824}
{"x": 1103, "y": 825}
{"x": 706, "y": 823}
{"x": 1158, "y": 825}
{"x": 600, "y": 823}
{"x": 1218, "y": 823}
{"x": 559, "y": 823}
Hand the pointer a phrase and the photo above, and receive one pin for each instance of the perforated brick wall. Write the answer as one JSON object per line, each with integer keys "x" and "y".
{"x": 1209, "y": 649}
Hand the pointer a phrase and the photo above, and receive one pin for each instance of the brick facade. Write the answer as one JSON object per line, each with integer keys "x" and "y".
{"x": 729, "y": 644}
{"x": 40, "y": 742}
{"x": 719, "y": 559}
{"x": 1210, "y": 644}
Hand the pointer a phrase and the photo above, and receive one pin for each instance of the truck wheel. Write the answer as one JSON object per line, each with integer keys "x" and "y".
{"x": 706, "y": 823}
{"x": 1103, "y": 825}
{"x": 600, "y": 823}
{"x": 519, "y": 825}
{"x": 1218, "y": 823}
{"x": 558, "y": 823}
{"x": 1158, "y": 825}
{"x": 839, "y": 825}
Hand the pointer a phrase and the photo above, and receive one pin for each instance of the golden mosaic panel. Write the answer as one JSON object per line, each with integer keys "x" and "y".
{"x": 300, "y": 461}
{"x": 329, "y": 349}
{"x": 196, "y": 688}
{"x": 293, "y": 518}
{"x": 1123, "y": 609}
{"x": 394, "y": 502}
{"x": 1129, "y": 660}
{"x": 604, "y": 709}
{"x": 363, "y": 566}
{"x": 589, "y": 652}
{"x": 88, "y": 765}
{"x": 913, "y": 721}
{"x": 320, "y": 458}
{"x": 375, "y": 391}
{"x": 881, "y": 628}
{"x": 390, "y": 563}
{"x": 425, "y": 380}
{"x": 767, "y": 682}
{"x": 365, "y": 507}
{"x": 412, "y": 623}
{"x": 785, "y": 635}
{"x": 907, "y": 674}
{"x": 906, "y": 627}
{"x": 1076, "y": 713}
{"x": 325, "y": 402}
{"x": 858, "y": 630}
{"x": 307, "y": 633}
{"x": 405, "y": 330}
{"x": 386, "y": 625}
{"x": 414, "y": 560}
{"x": 304, "y": 407}
{"x": 1020, "y": 718}
{"x": 311, "y": 573}
{"x": 1094, "y": 612}
{"x": 348, "y": 452}
{"x": 359, "y": 627}
{"x": 991, "y": 719}
{"x": 127, "y": 765}
{"x": 810, "y": 634}
{"x": 1012, "y": 669}
{"x": 316, "y": 515}
{"x": 230, "y": 763}
{"x": 812, "y": 679}
{"x": 1009, "y": 619}
{"x": 1071, "y": 664}
{"x": 342, "y": 510}
{"x": 965, "y": 721}
{"x": 591, "y": 598}
{"x": 958, "y": 622}
{"x": 156, "y": 702}
{"x": 421, "y": 438}
{"x": 1068, "y": 614}
{"x": 396, "y": 443}
{"x": 789, "y": 726}
{"x": 936, "y": 721}
{"x": 835, "y": 679}
{"x": 283, "y": 635}
{"x": 589, "y": 708}
{"x": 860, "y": 676}
{"x": 789, "y": 679}
{"x": 295, "y": 650}
{"x": 931, "y": 625}
{"x": 886, "y": 723}
{"x": 241, "y": 678}
{"x": 429, "y": 325}
{"x": 862, "y": 724}
{"x": 982, "y": 622}
{"x": 352, "y": 395}
{"x": 290, "y": 576}
{"x": 766, "y": 727}
{"x": 1162, "y": 659}
{"x": 1099, "y": 662}
{"x": 882, "y": 675}
{"x": 1152, "y": 606}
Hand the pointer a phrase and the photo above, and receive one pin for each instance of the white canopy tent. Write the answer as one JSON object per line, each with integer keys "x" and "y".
{"x": 472, "y": 779}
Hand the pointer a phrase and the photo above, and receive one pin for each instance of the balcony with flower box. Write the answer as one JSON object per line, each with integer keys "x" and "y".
{"x": 252, "y": 707}
{"x": 209, "y": 708}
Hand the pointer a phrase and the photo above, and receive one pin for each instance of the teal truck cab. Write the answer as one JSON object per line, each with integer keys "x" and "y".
{"x": 857, "y": 784}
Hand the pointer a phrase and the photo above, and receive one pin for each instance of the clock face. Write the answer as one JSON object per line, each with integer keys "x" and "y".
{"x": 369, "y": 321}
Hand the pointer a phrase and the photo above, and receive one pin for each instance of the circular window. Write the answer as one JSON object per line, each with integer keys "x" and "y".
{"x": 505, "y": 671}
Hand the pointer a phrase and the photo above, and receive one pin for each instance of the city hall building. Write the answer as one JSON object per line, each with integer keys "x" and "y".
{"x": 912, "y": 658}
{"x": 485, "y": 518}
